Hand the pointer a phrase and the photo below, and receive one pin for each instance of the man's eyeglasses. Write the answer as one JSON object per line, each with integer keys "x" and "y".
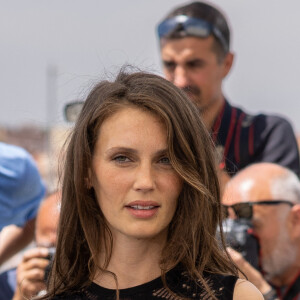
{"x": 244, "y": 210}
{"x": 191, "y": 27}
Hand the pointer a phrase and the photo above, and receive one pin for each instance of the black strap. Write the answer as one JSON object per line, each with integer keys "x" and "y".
{"x": 243, "y": 139}
{"x": 232, "y": 130}
{"x": 271, "y": 295}
{"x": 293, "y": 291}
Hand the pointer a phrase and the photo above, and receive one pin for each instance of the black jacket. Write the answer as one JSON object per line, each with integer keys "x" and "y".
{"x": 243, "y": 139}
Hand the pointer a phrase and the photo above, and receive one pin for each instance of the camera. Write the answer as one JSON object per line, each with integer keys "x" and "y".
{"x": 238, "y": 236}
{"x": 50, "y": 257}
{"x": 51, "y": 253}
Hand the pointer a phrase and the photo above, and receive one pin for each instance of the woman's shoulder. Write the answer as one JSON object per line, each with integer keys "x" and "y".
{"x": 246, "y": 290}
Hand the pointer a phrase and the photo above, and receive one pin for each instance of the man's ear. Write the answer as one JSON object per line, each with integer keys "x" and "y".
{"x": 227, "y": 63}
{"x": 295, "y": 222}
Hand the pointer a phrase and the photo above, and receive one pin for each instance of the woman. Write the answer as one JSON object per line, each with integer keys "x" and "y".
{"x": 140, "y": 200}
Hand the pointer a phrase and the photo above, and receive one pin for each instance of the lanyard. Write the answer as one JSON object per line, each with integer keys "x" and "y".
{"x": 293, "y": 290}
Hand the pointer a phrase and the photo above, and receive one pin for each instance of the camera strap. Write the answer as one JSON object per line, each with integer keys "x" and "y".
{"x": 293, "y": 290}
{"x": 233, "y": 131}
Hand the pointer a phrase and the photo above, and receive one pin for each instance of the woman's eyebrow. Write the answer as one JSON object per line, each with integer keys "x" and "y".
{"x": 121, "y": 149}
{"x": 161, "y": 152}
{"x": 134, "y": 151}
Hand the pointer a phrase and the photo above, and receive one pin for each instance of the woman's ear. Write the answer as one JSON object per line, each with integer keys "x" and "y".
{"x": 88, "y": 183}
{"x": 88, "y": 180}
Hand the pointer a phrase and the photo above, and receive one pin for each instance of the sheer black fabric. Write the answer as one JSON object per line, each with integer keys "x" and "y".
{"x": 178, "y": 282}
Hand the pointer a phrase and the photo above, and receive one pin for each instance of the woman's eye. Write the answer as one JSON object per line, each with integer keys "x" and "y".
{"x": 165, "y": 160}
{"x": 121, "y": 158}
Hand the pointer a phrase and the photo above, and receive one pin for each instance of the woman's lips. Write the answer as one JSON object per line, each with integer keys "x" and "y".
{"x": 142, "y": 209}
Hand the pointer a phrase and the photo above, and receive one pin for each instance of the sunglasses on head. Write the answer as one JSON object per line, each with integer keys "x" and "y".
{"x": 244, "y": 210}
{"x": 191, "y": 27}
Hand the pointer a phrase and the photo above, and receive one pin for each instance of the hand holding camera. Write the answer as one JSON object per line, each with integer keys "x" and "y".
{"x": 252, "y": 274}
{"x": 31, "y": 273}
{"x": 238, "y": 236}
{"x": 243, "y": 247}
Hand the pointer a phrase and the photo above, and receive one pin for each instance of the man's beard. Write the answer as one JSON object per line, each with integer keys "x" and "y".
{"x": 194, "y": 93}
{"x": 282, "y": 257}
{"x": 192, "y": 90}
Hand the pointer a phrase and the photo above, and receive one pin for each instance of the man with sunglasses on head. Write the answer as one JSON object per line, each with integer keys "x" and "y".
{"x": 268, "y": 195}
{"x": 195, "y": 50}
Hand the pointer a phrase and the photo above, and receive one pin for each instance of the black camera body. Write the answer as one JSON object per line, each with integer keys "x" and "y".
{"x": 51, "y": 253}
{"x": 50, "y": 257}
{"x": 238, "y": 236}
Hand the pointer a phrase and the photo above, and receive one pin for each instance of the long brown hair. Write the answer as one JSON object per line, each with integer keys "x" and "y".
{"x": 191, "y": 236}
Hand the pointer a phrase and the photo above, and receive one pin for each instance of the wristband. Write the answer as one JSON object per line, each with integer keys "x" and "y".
{"x": 271, "y": 295}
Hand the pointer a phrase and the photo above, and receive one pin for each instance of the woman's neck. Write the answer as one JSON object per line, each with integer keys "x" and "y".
{"x": 133, "y": 261}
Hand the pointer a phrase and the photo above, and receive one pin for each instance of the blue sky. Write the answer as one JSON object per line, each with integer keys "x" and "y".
{"x": 85, "y": 41}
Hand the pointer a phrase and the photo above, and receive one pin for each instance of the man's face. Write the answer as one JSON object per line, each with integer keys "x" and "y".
{"x": 270, "y": 225}
{"x": 278, "y": 252}
{"x": 47, "y": 222}
{"x": 192, "y": 65}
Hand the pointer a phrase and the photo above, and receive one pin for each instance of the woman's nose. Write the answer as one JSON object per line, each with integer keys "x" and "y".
{"x": 145, "y": 178}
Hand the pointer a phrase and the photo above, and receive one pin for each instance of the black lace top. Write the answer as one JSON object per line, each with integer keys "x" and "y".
{"x": 178, "y": 281}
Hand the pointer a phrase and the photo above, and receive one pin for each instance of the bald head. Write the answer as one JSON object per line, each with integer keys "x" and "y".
{"x": 276, "y": 223}
{"x": 47, "y": 220}
{"x": 263, "y": 181}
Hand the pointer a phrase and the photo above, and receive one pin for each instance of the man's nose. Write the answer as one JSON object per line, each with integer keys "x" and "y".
{"x": 145, "y": 178}
{"x": 231, "y": 213}
{"x": 181, "y": 79}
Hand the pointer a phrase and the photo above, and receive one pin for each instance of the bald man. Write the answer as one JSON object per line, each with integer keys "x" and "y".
{"x": 272, "y": 193}
{"x": 28, "y": 279}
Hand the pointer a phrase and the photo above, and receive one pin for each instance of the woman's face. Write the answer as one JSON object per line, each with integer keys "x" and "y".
{"x": 136, "y": 187}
